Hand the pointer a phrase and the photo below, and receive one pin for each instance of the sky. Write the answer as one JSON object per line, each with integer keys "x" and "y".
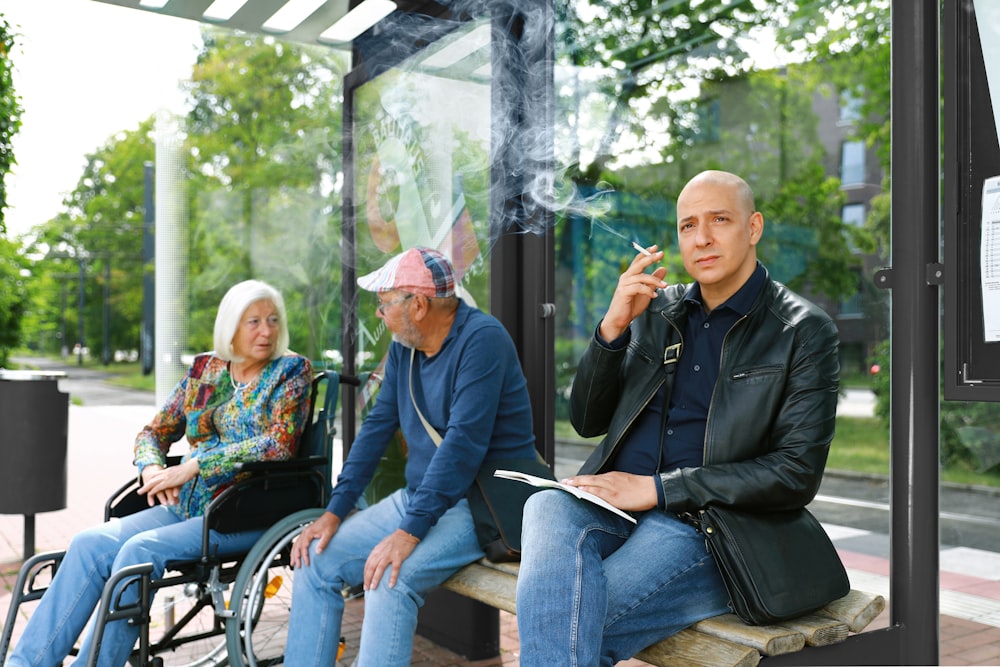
{"x": 84, "y": 70}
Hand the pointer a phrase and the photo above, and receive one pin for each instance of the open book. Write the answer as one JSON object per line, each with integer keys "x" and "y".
{"x": 552, "y": 484}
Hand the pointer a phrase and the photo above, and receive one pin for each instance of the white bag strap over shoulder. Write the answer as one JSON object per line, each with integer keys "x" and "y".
{"x": 431, "y": 431}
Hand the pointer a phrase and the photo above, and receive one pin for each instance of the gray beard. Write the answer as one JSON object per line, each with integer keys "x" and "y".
{"x": 410, "y": 336}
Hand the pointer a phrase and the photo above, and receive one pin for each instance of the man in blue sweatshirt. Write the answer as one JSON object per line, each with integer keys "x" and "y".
{"x": 467, "y": 381}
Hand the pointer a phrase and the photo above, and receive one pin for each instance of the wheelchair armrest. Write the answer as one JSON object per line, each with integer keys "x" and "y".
{"x": 266, "y": 467}
{"x": 125, "y": 500}
{"x": 262, "y": 499}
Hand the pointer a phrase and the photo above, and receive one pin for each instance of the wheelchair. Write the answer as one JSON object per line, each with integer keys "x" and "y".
{"x": 194, "y": 624}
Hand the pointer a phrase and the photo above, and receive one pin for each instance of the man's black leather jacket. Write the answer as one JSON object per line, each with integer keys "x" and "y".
{"x": 772, "y": 415}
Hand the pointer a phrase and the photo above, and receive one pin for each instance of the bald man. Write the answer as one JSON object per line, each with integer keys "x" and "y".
{"x": 718, "y": 392}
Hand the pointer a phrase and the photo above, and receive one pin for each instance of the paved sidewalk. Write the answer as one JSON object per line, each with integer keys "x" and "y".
{"x": 98, "y": 461}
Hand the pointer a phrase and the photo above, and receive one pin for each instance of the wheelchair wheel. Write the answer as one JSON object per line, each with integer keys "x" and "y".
{"x": 203, "y": 641}
{"x": 262, "y": 595}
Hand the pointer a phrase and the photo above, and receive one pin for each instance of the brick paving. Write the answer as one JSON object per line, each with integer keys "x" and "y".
{"x": 98, "y": 460}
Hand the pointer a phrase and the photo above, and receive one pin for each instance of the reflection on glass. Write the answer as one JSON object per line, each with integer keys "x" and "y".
{"x": 421, "y": 145}
{"x": 647, "y": 99}
{"x": 421, "y": 134}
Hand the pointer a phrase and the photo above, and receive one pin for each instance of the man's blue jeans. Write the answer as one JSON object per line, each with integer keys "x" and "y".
{"x": 390, "y": 613}
{"x": 595, "y": 589}
{"x": 154, "y": 535}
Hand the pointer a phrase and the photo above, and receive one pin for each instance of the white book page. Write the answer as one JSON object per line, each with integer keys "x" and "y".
{"x": 552, "y": 484}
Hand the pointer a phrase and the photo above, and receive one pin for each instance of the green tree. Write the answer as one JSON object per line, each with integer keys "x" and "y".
{"x": 264, "y": 190}
{"x": 851, "y": 38}
{"x": 10, "y": 113}
{"x": 101, "y": 227}
{"x": 13, "y": 298}
{"x": 14, "y": 295}
{"x": 265, "y": 133}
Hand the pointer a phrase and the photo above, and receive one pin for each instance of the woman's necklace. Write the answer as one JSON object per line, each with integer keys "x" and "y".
{"x": 239, "y": 386}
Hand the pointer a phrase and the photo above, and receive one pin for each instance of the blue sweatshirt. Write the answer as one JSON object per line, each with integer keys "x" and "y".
{"x": 472, "y": 392}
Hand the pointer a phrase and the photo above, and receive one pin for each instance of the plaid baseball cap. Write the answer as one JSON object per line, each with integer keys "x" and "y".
{"x": 417, "y": 271}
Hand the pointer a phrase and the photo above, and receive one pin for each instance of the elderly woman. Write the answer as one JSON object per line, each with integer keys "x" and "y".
{"x": 246, "y": 401}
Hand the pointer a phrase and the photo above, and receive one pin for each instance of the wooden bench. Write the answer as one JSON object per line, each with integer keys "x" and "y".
{"x": 714, "y": 642}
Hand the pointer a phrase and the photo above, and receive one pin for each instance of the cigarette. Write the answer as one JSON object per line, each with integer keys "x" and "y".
{"x": 641, "y": 249}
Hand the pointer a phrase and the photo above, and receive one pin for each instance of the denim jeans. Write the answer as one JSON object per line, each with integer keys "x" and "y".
{"x": 155, "y": 535}
{"x": 595, "y": 589}
{"x": 390, "y": 619}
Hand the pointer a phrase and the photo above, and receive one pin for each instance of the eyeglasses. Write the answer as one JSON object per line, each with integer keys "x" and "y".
{"x": 382, "y": 305}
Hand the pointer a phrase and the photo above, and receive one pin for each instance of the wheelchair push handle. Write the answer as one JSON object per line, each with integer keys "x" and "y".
{"x": 352, "y": 380}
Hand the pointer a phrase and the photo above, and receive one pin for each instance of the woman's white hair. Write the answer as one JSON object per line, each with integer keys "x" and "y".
{"x": 231, "y": 309}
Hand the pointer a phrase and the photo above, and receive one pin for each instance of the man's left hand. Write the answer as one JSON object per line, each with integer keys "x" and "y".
{"x": 632, "y": 493}
{"x": 388, "y": 554}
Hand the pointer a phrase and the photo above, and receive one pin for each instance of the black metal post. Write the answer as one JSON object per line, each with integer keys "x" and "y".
{"x": 29, "y": 536}
{"x": 63, "y": 344}
{"x": 106, "y": 353}
{"x": 80, "y": 302}
{"x": 915, "y": 381}
{"x": 146, "y": 336}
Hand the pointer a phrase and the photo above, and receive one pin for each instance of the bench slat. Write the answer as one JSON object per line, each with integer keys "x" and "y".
{"x": 485, "y": 584}
{"x": 768, "y": 639}
{"x": 857, "y": 609}
{"x": 689, "y": 648}
{"x": 819, "y": 630}
{"x": 507, "y": 568}
{"x": 714, "y": 642}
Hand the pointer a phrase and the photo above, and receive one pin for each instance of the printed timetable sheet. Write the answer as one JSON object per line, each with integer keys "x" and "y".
{"x": 990, "y": 259}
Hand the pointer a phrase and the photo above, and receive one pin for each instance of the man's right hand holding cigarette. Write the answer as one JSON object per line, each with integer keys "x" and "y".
{"x": 635, "y": 290}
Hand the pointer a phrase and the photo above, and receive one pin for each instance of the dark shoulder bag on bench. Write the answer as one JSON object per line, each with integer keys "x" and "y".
{"x": 496, "y": 504}
{"x": 776, "y": 565}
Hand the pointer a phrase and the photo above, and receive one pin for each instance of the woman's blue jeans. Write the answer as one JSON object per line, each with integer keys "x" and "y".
{"x": 155, "y": 535}
{"x": 595, "y": 589}
{"x": 390, "y": 619}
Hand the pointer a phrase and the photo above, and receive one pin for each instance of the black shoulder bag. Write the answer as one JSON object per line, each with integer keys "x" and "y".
{"x": 496, "y": 504}
{"x": 776, "y": 565}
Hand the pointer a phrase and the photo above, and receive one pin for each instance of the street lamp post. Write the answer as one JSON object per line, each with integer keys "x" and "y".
{"x": 106, "y": 352}
{"x": 80, "y": 303}
{"x": 81, "y": 259}
{"x": 63, "y": 347}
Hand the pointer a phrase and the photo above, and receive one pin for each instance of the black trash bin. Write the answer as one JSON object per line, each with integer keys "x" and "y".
{"x": 34, "y": 420}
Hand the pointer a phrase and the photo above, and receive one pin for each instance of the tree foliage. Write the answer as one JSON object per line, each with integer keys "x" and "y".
{"x": 13, "y": 297}
{"x": 10, "y": 112}
{"x": 682, "y": 83}
{"x": 264, "y": 133}
{"x": 654, "y": 50}
{"x": 852, "y": 39}
{"x": 263, "y": 191}
{"x": 101, "y": 227}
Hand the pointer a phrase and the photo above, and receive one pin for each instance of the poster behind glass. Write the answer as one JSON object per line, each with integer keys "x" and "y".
{"x": 421, "y": 143}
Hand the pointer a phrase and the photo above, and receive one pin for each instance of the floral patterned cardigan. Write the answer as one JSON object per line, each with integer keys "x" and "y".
{"x": 226, "y": 424}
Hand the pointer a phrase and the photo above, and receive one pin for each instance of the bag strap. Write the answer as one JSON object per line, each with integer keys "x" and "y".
{"x": 431, "y": 431}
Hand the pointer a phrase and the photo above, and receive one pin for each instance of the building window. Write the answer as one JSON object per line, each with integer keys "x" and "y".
{"x": 701, "y": 125}
{"x": 850, "y": 107}
{"x": 852, "y": 163}
{"x": 709, "y": 119}
{"x": 853, "y": 215}
{"x": 850, "y": 307}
